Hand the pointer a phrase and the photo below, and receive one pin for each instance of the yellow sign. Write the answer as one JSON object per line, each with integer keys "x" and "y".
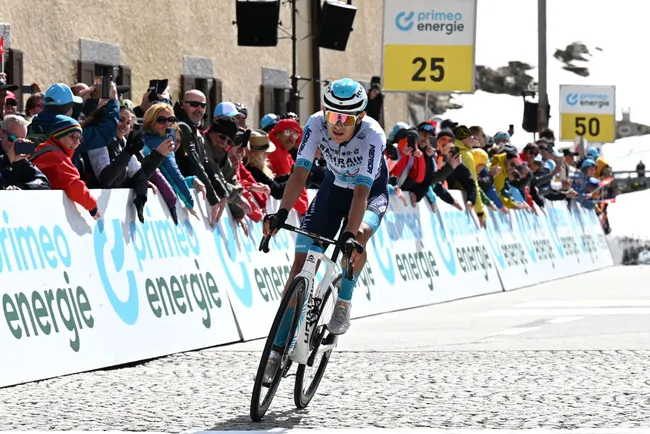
{"x": 425, "y": 68}
{"x": 428, "y": 46}
{"x": 595, "y": 128}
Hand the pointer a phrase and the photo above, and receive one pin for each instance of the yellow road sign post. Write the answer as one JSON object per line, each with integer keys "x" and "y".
{"x": 429, "y": 46}
{"x": 588, "y": 111}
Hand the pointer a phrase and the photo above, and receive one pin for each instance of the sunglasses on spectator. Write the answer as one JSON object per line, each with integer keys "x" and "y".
{"x": 196, "y": 104}
{"x": 12, "y": 137}
{"x": 11, "y": 102}
{"x": 164, "y": 120}
{"x": 345, "y": 119}
{"x": 226, "y": 139}
{"x": 291, "y": 133}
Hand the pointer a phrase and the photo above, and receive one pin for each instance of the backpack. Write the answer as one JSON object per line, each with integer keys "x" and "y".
{"x": 37, "y": 137}
{"x": 44, "y": 150}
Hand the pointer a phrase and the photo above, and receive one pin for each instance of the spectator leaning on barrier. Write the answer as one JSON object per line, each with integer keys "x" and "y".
{"x": 16, "y": 171}
{"x": 157, "y": 119}
{"x": 486, "y": 177}
{"x": 190, "y": 152}
{"x": 510, "y": 163}
{"x": 54, "y": 158}
{"x": 58, "y": 100}
{"x": 465, "y": 143}
{"x": 116, "y": 166}
{"x": 255, "y": 193}
{"x": 259, "y": 146}
{"x": 219, "y": 138}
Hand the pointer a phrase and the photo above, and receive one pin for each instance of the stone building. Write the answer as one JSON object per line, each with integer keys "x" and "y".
{"x": 191, "y": 43}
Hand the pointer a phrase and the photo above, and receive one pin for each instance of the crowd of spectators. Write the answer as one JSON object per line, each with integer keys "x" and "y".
{"x": 71, "y": 139}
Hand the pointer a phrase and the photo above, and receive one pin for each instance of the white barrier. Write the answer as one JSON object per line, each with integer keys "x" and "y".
{"x": 79, "y": 295}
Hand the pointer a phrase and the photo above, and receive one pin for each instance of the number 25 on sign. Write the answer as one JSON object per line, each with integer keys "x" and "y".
{"x": 423, "y": 68}
{"x": 597, "y": 128}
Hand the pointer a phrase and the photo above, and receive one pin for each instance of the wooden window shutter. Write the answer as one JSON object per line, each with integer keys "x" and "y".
{"x": 15, "y": 73}
{"x": 125, "y": 79}
{"x": 86, "y": 72}
{"x": 268, "y": 100}
{"x": 281, "y": 100}
{"x": 214, "y": 98}
{"x": 187, "y": 83}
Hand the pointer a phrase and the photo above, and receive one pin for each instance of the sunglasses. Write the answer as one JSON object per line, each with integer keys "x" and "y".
{"x": 227, "y": 139}
{"x": 345, "y": 119}
{"x": 195, "y": 104}
{"x": 11, "y": 102}
{"x": 164, "y": 120}
{"x": 12, "y": 138}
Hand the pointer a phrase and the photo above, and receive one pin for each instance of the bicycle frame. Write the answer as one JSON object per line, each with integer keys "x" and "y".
{"x": 299, "y": 348}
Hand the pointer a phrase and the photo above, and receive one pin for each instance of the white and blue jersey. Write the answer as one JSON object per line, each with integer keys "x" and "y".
{"x": 360, "y": 161}
{"x": 357, "y": 162}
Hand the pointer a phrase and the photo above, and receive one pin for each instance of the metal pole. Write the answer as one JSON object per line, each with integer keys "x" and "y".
{"x": 426, "y": 106}
{"x": 542, "y": 121}
{"x": 293, "y": 98}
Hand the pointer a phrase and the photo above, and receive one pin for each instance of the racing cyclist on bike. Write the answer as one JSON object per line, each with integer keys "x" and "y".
{"x": 355, "y": 185}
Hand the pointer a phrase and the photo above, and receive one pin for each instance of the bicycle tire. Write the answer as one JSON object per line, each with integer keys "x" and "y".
{"x": 300, "y": 397}
{"x": 258, "y": 410}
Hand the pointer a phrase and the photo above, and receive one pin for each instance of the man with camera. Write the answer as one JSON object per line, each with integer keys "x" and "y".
{"x": 16, "y": 171}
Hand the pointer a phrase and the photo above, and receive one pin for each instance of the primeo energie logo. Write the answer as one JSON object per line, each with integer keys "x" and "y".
{"x": 157, "y": 248}
{"x": 433, "y": 21}
{"x": 588, "y": 99}
{"x": 47, "y": 310}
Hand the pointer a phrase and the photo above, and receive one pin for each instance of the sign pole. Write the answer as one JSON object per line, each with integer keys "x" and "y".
{"x": 426, "y": 106}
{"x": 542, "y": 110}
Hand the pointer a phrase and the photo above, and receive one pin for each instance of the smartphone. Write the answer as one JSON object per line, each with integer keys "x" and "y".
{"x": 24, "y": 148}
{"x": 153, "y": 85}
{"x": 170, "y": 134}
{"x": 97, "y": 93}
{"x": 455, "y": 150}
{"x": 161, "y": 86}
{"x": 106, "y": 86}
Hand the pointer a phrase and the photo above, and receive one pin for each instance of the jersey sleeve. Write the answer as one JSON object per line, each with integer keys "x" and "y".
{"x": 308, "y": 145}
{"x": 372, "y": 152}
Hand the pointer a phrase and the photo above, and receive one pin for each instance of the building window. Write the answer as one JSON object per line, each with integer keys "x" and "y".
{"x": 87, "y": 71}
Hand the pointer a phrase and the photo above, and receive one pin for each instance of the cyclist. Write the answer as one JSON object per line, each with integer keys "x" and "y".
{"x": 355, "y": 185}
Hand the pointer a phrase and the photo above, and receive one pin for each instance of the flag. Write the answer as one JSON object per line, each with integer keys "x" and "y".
{"x": 2, "y": 46}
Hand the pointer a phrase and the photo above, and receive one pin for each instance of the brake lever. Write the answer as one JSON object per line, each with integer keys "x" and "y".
{"x": 264, "y": 245}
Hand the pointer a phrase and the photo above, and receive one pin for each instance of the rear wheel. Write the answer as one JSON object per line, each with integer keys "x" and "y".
{"x": 260, "y": 401}
{"x": 308, "y": 376}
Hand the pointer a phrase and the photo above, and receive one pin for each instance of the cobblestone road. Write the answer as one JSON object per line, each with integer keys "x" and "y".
{"x": 211, "y": 390}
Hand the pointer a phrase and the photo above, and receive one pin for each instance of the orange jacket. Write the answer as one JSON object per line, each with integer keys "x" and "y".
{"x": 63, "y": 175}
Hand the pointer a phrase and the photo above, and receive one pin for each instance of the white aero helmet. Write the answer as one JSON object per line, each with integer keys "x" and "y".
{"x": 345, "y": 96}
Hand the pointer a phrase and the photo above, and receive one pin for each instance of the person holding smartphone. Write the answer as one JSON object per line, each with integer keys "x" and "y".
{"x": 16, "y": 171}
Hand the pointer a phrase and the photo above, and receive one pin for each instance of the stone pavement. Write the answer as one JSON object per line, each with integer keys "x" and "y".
{"x": 470, "y": 364}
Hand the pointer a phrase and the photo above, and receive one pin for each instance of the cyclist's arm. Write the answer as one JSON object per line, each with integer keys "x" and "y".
{"x": 357, "y": 208}
{"x": 300, "y": 173}
{"x": 374, "y": 154}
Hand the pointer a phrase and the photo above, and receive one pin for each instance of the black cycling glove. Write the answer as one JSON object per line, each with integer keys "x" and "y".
{"x": 276, "y": 220}
{"x": 347, "y": 242}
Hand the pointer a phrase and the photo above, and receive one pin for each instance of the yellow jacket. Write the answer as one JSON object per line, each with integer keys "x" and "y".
{"x": 468, "y": 160}
{"x": 500, "y": 180}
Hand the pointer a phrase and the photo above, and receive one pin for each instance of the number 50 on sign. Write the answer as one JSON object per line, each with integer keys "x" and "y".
{"x": 429, "y": 45}
{"x": 588, "y": 111}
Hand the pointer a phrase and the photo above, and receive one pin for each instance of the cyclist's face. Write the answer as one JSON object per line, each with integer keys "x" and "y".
{"x": 340, "y": 133}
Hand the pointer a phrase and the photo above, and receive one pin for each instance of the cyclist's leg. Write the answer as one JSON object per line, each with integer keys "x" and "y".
{"x": 377, "y": 206}
{"x": 320, "y": 219}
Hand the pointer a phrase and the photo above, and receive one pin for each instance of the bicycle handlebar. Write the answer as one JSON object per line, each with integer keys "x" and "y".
{"x": 264, "y": 245}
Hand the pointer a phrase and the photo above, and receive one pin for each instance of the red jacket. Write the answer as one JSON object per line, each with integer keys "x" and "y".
{"x": 281, "y": 162}
{"x": 418, "y": 169}
{"x": 63, "y": 175}
{"x": 246, "y": 180}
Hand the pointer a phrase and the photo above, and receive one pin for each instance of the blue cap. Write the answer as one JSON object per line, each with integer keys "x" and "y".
{"x": 269, "y": 120}
{"x": 588, "y": 163}
{"x": 226, "y": 109}
{"x": 593, "y": 153}
{"x": 501, "y": 136}
{"x": 398, "y": 126}
{"x": 60, "y": 94}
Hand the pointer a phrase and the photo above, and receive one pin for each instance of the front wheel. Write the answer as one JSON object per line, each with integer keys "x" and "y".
{"x": 305, "y": 389}
{"x": 294, "y": 297}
